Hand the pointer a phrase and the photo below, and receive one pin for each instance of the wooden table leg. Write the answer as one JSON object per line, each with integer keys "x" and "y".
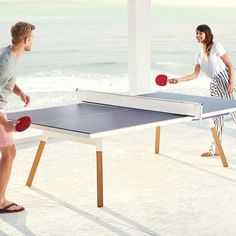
{"x": 99, "y": 179}
{"x": 35, "y": 163}
{"x": 218, "y": 143}
{"x": 219, "y": 147}
{"x": 157, "y": 140}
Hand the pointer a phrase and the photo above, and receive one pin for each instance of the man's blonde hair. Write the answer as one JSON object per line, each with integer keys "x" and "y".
{"x": 20, "y": 31}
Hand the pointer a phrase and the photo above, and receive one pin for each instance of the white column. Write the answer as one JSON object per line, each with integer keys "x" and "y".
{"x": 139, "y": 50}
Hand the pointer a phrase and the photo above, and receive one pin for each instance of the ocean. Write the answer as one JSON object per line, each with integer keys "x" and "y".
{"x": 86, "y": 47}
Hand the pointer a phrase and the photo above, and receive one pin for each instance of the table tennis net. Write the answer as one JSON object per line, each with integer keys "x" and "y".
{"x": 141, "y": 102}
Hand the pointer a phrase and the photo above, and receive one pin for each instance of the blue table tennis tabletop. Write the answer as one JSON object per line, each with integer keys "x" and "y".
{"x": 89, "y": 118}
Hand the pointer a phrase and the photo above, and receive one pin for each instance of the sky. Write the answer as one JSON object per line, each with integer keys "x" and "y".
{"x": 196, "y": 2}
{"x": 170, "y": 2}
{"x": 160, "y": 2}
{"x": 73, "y": 8}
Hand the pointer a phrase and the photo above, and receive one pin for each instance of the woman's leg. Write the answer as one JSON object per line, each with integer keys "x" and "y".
{"x": 219, "y": 88}
{"x": 231, "y": 96}
{"x": 224, "y": 83}
{"x": 215, "y": 91}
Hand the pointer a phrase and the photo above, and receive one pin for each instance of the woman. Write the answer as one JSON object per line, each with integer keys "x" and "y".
{"x": 214, "y": 61}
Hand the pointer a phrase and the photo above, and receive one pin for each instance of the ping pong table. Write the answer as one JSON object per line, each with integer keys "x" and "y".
{"x": 97, "y": 115}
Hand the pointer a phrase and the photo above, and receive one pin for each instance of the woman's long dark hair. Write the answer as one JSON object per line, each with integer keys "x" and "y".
{"x": 208, "y": 42}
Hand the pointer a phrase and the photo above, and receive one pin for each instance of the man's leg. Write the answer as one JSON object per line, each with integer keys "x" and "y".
{"x": 8, "y": 155}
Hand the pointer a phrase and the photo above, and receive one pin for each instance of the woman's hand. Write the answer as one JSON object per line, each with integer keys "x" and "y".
{"x": 231, "y": 87}
{"x": 173, "y": 81}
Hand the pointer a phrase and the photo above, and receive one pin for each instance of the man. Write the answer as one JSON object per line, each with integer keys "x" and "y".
{"x": 22, "y": 37}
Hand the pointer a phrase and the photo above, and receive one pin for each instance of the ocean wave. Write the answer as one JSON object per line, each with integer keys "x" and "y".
{"x": 57, "y": 80}
{"x": 105, "y": 63}
{"x": 56, "y": 88}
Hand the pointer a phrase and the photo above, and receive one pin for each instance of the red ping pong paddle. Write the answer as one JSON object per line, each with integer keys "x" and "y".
{"x": 161, "y": 80}
{"x": 23, "y": 123}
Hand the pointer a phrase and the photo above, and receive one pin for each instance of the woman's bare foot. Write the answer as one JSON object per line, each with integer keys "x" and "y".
{"x": 209, "y": 154}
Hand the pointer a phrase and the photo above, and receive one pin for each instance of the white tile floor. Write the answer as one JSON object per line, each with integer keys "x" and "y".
{"x": 176, "y": 193}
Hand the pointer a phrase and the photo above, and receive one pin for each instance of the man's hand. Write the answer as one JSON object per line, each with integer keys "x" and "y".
{"x": 25, "y": 98}
{"x": 10, "y": 126}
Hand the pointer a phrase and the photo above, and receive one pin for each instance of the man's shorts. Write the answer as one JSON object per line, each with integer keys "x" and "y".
{"x": 6, "y": 139}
